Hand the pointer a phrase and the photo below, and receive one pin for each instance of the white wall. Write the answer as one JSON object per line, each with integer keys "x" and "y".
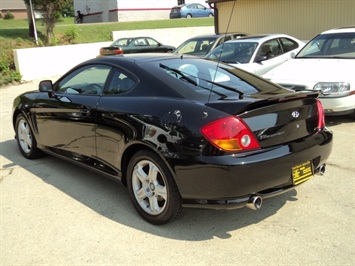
{"x": 132, "y": 10}
{"x": 43, "y": 62}
{"x": 172, "y": 36}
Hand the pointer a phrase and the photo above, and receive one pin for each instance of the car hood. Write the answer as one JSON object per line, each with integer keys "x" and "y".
{"x": 313, "y": 70}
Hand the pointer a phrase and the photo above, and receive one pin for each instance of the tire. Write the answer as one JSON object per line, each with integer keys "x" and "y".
{"x": 210, "y": 15}
{"x": 25, "y": 139}
{"x": 152, "y": 189}
{"x": 188, "y": 16}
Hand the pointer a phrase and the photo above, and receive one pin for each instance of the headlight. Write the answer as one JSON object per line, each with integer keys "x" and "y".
{"x": 332, "y": 87}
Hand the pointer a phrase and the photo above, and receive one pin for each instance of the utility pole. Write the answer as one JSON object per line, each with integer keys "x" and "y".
{"x": 34, "y": 22}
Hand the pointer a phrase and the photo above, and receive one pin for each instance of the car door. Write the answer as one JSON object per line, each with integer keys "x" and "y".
{"x": 154, "y": 46}
{"x": 139, "y": 45}
{"x": 66, "y": 117}
{"x": 268, "y": 56}
{"x": 201, "y": 11}
{"x": 113, "y": 126}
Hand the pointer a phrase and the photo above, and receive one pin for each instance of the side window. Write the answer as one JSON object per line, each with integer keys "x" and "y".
{"x": 288, "y": 44}
{"x": 119, "y": 83}
{"x": 86, "y": 80}
{"x": 140, "y": 42}
{"x": 270, "y": 49}
{"x": 152, "y": 42}
{"x": 200, "y": 6}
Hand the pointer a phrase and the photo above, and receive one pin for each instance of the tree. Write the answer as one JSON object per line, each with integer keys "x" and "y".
{"x": 50, "y": 10}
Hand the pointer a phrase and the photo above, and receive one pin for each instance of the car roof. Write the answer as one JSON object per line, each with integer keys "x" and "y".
{"x": 141, "y": 57}
{"x": 259, "y": 37}
{"x": 340, "y": 30}
{"x": 214, "y": 35}
{"x": 139, "y": 37}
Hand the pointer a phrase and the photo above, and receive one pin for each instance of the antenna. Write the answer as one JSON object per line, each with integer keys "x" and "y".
{"x": 225, "y": 35}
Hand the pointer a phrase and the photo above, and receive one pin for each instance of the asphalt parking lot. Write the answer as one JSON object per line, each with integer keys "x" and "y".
{"x": 55, "y": 213}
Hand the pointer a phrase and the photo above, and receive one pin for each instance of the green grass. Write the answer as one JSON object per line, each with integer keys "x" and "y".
{"x": 14, "y": 34}
{"x": 95, "y": 32}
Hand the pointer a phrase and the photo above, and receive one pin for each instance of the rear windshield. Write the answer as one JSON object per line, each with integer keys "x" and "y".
{"x": 213, "y": 80}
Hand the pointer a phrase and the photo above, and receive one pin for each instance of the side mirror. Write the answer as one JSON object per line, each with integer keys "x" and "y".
{"x": 259, "y": 59}
{"x": 293, "y": 55}
{"x": 45, "y": 86}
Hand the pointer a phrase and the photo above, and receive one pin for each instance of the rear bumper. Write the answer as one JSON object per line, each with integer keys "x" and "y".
{"x": 175, "y": 15}
{"x": 228, "y": 181}
{"x": 235, "y": 203}
{"x": 338, "y": 105}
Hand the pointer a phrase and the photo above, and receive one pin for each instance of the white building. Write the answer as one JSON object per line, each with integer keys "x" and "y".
{"x": 127, "y": 10}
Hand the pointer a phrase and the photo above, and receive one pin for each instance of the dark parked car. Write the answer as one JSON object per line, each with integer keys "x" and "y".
{"x": 179, "y": 132}
{"x": 191, "y": 11}
{"x": 201, "y": 45}
{"x": 136, "y": 45}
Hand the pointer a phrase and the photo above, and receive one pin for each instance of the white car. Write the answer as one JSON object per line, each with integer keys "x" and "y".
{"x": 325, "y": 64}
{"x": 257, "y": 53}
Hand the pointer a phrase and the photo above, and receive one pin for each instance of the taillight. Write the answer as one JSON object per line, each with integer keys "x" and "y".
{"x": 230, "y": 134}
{"x": 321, "y": 119}
{"x": 102, "y": 51}
{"x": 118, "y": 51}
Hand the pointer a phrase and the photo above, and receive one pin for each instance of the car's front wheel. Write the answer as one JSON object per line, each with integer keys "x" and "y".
{"x": 188, "y": 16}
{"x": 25, "y": 139}
{"x": 152, "y": 188}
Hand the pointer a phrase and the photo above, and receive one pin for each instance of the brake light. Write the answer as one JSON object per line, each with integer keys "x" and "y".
{"x": 118, "y": 51}
{"x": 321, "y": 118}
{"x": 230, "y": 134}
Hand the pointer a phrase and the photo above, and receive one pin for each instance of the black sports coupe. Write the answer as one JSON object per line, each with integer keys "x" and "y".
{"x": 179, "y": 131}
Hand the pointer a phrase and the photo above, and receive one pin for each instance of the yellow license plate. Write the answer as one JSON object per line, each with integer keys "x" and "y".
{"x": 302, "y": 172}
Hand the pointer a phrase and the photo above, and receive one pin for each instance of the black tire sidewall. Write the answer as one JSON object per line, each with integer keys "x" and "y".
{"x": 34, "y": 152}
{"x": 173, "y": 204}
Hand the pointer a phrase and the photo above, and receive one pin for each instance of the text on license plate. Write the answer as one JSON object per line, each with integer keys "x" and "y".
{"x": 302, "y": 172}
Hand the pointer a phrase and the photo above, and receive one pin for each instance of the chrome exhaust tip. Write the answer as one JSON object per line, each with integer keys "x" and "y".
{"x": 320, "y": 170}
{"x": 255, "y": 202}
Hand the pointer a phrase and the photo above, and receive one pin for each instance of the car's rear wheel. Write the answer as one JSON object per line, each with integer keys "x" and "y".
{"x": 210, "y": 15}
{"x": 25, "y": 139}
{"x": 188, "y": 16}
{"x": 152, "y": 189}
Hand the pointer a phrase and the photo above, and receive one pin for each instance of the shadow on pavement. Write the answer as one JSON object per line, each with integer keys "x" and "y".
{"x": 110, "y": 199}
{"x": 331, "y": 121}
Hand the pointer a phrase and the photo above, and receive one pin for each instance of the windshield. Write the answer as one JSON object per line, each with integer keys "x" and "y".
{"x": 234, "y": 52}
{"x": 197, "y": 47}
{"x": 335, "y": 45}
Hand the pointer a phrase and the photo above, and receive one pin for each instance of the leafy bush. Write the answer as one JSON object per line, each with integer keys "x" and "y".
{"x": 9, "y": 76}
{"x": 0, "y": 15}
{"x": 71, "y": 34}
{"x": 8, "y": 15}
{"x": 8, "y": 73}
{"x": 55, "y": 41}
